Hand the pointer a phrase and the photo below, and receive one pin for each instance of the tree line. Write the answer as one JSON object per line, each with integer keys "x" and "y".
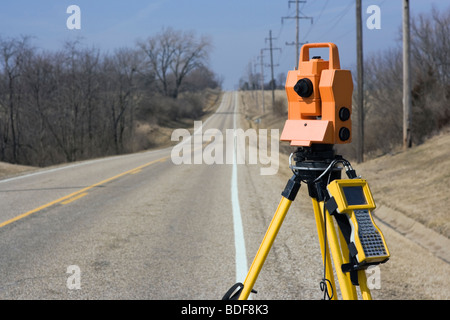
{"x": 430, "y": 86}
{"x": 78, "y": 102}
{"x": 254, "y": 80}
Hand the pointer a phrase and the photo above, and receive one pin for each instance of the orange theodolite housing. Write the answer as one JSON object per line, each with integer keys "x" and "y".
{"x": 319, "y": 100}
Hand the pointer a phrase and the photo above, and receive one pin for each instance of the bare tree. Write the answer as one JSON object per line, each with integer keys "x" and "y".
{"x": 90, "y": 64}
{"x": 431, "y": 43}
{"x": 120, "y": 92}
{"x": 199, "y": 79}
{"x": 431, "y": 67}
{"x": 190, "y": 54}
{"x": 174, "y": 54}
{"x": 40, "y": 83}
{"x": 13, "y": 54}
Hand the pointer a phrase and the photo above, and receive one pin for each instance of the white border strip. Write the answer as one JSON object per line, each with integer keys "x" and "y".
{"x": 239, "y": 242}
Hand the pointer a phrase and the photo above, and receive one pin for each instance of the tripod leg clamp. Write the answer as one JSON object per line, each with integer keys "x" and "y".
{"x": 291, "y": 189}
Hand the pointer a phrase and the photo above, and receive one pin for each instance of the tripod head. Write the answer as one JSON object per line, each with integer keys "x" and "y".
{"x": 319, "y": 100}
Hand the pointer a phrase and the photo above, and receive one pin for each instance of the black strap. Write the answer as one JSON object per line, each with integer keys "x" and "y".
{"x": 235, "y": 291}
{"x": 346, "y": 230}
{"x": 354, "y": 277}
{"x": 331, "y": 206}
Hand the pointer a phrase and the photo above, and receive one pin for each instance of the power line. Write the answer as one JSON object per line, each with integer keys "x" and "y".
{"x": 271, "y": 48}
{"x": 317, "y": 19}
{"x": 343, "y": 13}
{"x": 261, "y": 58}
{"x": 297, "y": 17}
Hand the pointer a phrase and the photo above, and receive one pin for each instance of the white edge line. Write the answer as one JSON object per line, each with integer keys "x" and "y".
{"x": 241, "y": 256}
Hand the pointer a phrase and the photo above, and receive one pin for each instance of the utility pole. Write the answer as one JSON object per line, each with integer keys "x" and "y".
{"x": 297, "y": 33}
{"x": 360, "y": 93}
{"x": 407, "y": 141}
{"x": 271, "y": 48}
{"x": 261, "y": 61}
{"x": 255, "y": 84}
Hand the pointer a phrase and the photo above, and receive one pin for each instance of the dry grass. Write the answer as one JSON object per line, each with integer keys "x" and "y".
{"x": 414, "y": 182}
{"x": 9, "y": 170}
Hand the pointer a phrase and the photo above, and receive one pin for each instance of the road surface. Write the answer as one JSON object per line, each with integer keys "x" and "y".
{"x": 140, "y": 227}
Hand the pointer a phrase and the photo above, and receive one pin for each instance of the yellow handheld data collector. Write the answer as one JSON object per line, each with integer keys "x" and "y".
{"x": 352, "y": 198}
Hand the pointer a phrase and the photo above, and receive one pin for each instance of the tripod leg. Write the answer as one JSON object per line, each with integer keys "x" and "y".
{"x": 320, "y": 231}
{"x": 265, "y": 246}
{"x": 346, "y": 259}
{"x": 362, "y": 279}
{"x": 348, "y": 293}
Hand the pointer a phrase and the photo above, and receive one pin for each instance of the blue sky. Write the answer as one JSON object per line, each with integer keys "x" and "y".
{"x": 238, "y": 28}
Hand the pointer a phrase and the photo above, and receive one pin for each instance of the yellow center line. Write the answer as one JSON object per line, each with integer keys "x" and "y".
{"x": 69, "y": 196}
{"x": 75, "y": 198}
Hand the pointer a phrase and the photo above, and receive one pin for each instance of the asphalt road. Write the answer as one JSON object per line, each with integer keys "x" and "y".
{"x": 141, "y": 227}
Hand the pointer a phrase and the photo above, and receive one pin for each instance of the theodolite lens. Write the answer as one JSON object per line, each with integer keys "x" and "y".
{"x": 304, "y": 88}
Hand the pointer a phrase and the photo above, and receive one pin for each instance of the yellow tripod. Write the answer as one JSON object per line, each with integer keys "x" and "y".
{"x": 354, "y": 245}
